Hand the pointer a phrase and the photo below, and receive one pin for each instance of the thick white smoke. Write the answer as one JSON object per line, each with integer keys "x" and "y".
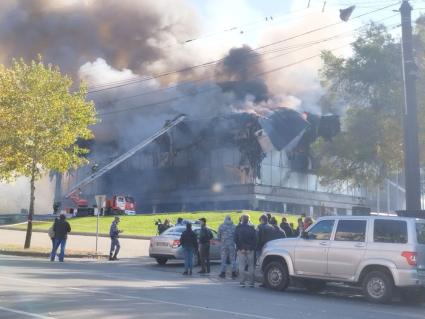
{"x": 110, "y": 41}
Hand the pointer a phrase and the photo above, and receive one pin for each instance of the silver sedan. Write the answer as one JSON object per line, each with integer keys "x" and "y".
{"x": 167, "y": 245}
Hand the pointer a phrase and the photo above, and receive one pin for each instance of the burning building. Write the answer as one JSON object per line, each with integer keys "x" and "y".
{"x": 235, "y": 161}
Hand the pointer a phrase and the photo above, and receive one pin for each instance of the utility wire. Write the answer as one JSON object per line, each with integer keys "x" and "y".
{"x": 130, "y": 82}
{"x": 217, "y": 89}
{"x": 288, "y": 51}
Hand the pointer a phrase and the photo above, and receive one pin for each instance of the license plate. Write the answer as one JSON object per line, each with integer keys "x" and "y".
{"x": 162, "y": 244}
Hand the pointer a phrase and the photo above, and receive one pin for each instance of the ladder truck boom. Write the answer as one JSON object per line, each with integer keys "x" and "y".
{"x": 126, "y": 155}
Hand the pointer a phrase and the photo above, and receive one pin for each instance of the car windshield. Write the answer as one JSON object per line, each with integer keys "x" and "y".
{"x": 420, "y": 232}
{"x": 174, "y": 231}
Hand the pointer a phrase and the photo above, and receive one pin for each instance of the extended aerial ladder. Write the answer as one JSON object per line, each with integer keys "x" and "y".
{"x": 89, "y": 179}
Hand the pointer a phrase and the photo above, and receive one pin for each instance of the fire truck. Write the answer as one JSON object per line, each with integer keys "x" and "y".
{"x": 120, "y": 205}
{"x": 117, "y": 204}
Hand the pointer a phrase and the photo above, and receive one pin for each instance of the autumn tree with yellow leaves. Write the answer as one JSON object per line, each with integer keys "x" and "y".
{"x": 42, "y": 116}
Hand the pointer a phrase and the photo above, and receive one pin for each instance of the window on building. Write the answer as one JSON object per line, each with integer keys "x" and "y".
{"x": 351, "y": 230}
{"x": 390, "y": 231}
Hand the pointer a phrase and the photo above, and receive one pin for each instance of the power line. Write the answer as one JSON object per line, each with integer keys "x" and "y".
{"x": 295, "y": 48}
{"x": 130, "y": 82}
{"x": 217, "y": 89}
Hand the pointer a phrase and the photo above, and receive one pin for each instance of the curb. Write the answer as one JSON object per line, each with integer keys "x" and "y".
{"x": 47, "y": 255}
{"x": 80, "y": 233}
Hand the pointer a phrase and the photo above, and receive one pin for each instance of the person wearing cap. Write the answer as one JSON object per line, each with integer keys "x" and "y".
{"x": 114, "y": 233}
{"x": 205, "y": 236}
{"x": 61, "y": 228}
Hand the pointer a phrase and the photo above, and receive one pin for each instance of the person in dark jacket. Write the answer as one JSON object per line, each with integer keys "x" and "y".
{"x": 205, "y": 236}
{"x": 286, "y": 227}
{"x": 246, "y": 241}
{"x": 114, "y": 233}
{"x": 51, "y": 233}
{"x": 278, "y": 232}
{"x": 61, "y": 229}
{"x": 163, "y": 227}
{"x": 189, "y": 242}
{"x": 265, "y": 233}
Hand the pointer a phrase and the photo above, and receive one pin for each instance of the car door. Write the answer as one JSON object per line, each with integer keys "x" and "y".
{"x": 347, "y": 249}
{"x": 311, "y": 252}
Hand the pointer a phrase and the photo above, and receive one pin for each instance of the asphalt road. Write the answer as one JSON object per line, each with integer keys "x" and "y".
{"x": 138, "y": 288}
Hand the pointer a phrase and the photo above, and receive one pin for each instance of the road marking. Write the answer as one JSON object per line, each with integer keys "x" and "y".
{"x": 28, "y": 314}
{"x": 240, "y": 314}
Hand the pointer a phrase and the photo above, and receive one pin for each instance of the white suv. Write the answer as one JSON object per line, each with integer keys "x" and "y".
{"x": 377, "y": 253}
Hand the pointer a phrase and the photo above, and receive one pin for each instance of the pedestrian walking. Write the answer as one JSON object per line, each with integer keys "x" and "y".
{"x": 286, "y": 227}
{"x": 61, "y": 229}
{"x": 189, "y": 242}
{"x": 114, "y": 233}
{"x": 226, "y": 236}
{"x": 205, "y": 236}
{"x": 246, "y": 240}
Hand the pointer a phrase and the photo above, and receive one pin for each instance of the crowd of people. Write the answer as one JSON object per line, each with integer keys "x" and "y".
{"x": 241, "y": 244}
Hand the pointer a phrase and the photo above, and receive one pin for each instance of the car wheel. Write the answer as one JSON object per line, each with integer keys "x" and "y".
{"x": 378, "y": 287}
{"x": 276, "y": 276}
{"x": 161, "y": 261}
{"x": 314, "y": 285}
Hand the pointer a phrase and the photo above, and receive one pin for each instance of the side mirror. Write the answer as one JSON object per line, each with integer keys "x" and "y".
{"x": 304, "y": 235}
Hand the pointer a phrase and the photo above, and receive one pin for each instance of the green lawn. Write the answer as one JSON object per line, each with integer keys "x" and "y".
{"x": 145, "y": 224}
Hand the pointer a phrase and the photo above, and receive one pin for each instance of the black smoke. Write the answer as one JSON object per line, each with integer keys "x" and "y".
{"x": 239, "y": 72}
{"x": 127, "y": 34}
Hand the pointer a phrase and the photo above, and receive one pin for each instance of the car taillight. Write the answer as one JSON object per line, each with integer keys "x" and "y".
{"x": 410, "y": 257}
{"x": 175, "y": 243}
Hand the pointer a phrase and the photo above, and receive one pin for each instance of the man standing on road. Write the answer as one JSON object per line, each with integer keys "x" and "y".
{"x": 265, "y": 233}
{"x": 189, "y": 242}
{"x": 246, "y": 239}
{"x": 226, "y": 235}
{"x": 278, "y": 232}
{"x": 61, "y": 228}
{"x": 205, "y": 236}
{"x": 114, "y": 233}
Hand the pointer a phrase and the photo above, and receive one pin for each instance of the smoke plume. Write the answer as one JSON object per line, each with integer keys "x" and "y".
{"x": 111, "y": 41}
{"x": 128, "y": 34}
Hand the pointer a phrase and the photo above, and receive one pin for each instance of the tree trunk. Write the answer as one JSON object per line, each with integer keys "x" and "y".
{"x": 31, "y": 210}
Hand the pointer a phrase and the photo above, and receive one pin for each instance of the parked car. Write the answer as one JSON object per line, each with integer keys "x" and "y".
{"x": 379, "y": 254}
{"x": 167, "y": 245}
